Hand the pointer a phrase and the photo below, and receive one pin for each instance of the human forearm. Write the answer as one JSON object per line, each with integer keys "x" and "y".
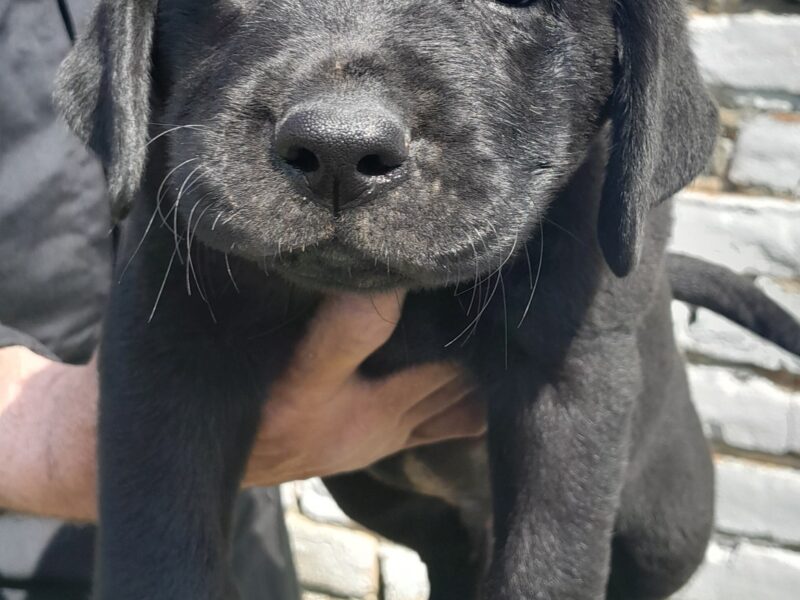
{"x": 322, "y": 418}
{"x": 47, "y": 436}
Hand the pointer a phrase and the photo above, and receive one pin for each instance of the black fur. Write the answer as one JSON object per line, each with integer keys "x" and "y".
{"x": 601, "y": 481}
{"x": 734, "y": 297}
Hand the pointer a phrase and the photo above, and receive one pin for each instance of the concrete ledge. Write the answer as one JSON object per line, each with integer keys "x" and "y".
{"x": 745, "y": 571}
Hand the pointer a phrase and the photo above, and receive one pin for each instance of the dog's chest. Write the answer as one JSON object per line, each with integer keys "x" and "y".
{"x": 455, "y": 472}
{"x": 436, "y": 327}
{"x": 444, "y": 326}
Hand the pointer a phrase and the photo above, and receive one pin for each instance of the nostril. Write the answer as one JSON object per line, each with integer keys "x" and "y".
{"x": 373, "y": 165}
{"x": 341, "y": 150}
{"x": 302, "y": 159}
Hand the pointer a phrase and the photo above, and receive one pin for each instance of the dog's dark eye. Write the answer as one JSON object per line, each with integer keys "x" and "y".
{"x": 516, "y": 3}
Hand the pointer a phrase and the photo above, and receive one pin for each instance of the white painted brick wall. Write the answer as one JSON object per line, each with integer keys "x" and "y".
{"x": 334, "y": 560}
{"x": 404, "y": 575}
{"x": 747, "y": 391}
{"x": 707, "y": 333}
{"x": 749, "y": 234}
{"x": 745, "y": 571}
{"x": 744, "y": 410}
{"x": 767, "y": 152}
{"x": 749, "y": 52}
{"x": 758, "y": 500}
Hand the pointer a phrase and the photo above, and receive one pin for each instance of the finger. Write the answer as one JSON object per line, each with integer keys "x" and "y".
{"x": 436, "y": 402}
{"x": 404, "y": 390}
{"x": 463, "y": 420}
{"x": 344, "y": 332}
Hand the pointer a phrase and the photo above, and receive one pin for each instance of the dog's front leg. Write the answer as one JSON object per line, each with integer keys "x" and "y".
{"x": 558, "y": 447}
{"x": 180, "y": 404}
{"x": 173, "y": 440}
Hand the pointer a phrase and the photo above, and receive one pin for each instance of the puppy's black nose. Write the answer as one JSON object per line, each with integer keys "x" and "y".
{"x": 344, "y": 152}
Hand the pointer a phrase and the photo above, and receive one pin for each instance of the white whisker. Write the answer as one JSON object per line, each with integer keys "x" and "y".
{"x": 505, "y": 319}
{"x": 230, "y": 273}
{"x": 139, "y": 245}
{"x": 168, "y": 131}
{"x": 160, "y": 192}
{"x": 189, "y": 265}
{"x": 163, "y": 284}
{"x": 534, "y": 284}
{"x": 473, "y": 325}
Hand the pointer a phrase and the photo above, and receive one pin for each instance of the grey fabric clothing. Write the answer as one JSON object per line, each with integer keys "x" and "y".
{"x": 55, "y": 272}
{"x": 54, "y": 242}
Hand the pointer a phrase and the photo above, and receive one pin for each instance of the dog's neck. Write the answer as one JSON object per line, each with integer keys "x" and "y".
{"x": 573, "y": 214}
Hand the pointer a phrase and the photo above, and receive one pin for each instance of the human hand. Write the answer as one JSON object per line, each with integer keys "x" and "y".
{"x": 48, "y": 434}
{"x": 323, "y": 418}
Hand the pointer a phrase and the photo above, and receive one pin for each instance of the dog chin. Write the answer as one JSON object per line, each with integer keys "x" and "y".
{"x": 333, "y": 268}
{"x": 333, "y": 281}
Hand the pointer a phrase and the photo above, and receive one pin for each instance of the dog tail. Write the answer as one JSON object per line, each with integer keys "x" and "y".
{"x": 733, "y": 296}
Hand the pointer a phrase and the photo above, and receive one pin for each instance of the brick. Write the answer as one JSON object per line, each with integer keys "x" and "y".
{"x": 745, "y": 571}
{"x": 334, "y": 560}
{"x": 723, "y": 150}
{"x": 767, "y": 155}
{"x": 317, "y": 504}
{"x": 749, "y": 52}
{"x": 744, "y": 410}
{"x": 306, "y": 595}
{"x": 758, "y": 500}
{"x": 718, "y": 5}
{"x": 753, "y": 235}
{"x": 785, "y": 293}
{"x": 706, "y": 333}
{"x": 403, "y": 574}
{"x": 288, "y": 496}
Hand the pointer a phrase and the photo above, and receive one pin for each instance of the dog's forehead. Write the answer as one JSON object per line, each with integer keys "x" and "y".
{"x": 300, "y": 6}
{"x": 302, "y": 15}
{"x": 582, "y": 17}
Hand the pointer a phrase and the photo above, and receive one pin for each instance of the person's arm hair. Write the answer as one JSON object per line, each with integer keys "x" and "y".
{"x": 48, "y": 413}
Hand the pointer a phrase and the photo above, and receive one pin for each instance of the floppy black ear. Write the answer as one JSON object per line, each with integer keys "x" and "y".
{"x": 103, "y": 91}
{"x": 664, "y": 124}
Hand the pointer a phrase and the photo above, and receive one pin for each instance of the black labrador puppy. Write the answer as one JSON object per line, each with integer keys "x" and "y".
{"x": 508, "y": 162}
